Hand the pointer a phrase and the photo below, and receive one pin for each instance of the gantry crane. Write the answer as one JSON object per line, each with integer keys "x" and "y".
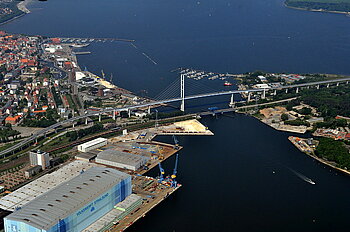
{"x": 161, "y": 170}
{"x": 176, "y": 142}
{"x": 161, "y": 157}
{"x": 173, "y": 176}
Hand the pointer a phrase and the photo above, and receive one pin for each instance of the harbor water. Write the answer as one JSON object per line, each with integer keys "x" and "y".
{"x": 247, "y": 176}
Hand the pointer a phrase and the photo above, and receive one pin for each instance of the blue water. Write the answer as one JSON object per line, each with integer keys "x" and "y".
{"x": 239, "y": 179}
{"x": 223, "y": 36}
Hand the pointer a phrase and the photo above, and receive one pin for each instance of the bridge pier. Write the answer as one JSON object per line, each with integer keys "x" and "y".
{"x": 86, "y": 121}
{"x": 249, "y": 96}
{"x": 99, "y": 117}
{"x": 114, "y": 113}
{"x": 297, "y": 90}
{"x": 232, "y": 102}
{"x": 129, "y": 113}
{"x": 347, "y": 82}
{"x": 149, "y": 110}
{"x": 263, "y": 96}
{"x": 327, "y": 85}
{"x": 286, "y": 90}
{"x": 275, "y": 92}
{"x": 337, "y": 84}
{"x": 318, "y": 87}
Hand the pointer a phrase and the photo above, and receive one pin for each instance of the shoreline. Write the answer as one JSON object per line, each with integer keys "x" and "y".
{"x": 321, "y": 160}
{"x": 12, "y": 19}
{"x": 327, "y": 163}
{"x": 316, "y": 10}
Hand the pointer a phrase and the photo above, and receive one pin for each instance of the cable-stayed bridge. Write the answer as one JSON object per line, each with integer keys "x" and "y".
{"x": 178, "y": 91}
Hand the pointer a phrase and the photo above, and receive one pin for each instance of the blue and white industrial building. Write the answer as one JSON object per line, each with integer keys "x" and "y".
{"x": 73, "y": 205}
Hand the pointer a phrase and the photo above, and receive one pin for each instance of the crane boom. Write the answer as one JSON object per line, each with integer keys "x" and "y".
{"x": 162, "y": 172}
{"x": 173, "y": 176}
{"x": 176, "y": 142}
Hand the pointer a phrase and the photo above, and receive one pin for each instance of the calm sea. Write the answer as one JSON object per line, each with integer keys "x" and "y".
{"x": 243, "y": 178}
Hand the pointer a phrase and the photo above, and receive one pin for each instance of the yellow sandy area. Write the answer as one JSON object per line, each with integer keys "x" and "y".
{"x": 106, "y": 84}
{"x": 191, "y": 125}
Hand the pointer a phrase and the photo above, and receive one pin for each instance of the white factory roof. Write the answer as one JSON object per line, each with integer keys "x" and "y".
{"x": 43, "y": 184}
{"x": 262, "y": 86}
{"x": 93, "y": 142}
{"x": 46, "y": 210}
{"x": 121, "y": 157}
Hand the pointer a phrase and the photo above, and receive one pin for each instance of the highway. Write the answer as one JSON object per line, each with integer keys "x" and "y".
{"x": 133, "y": 107}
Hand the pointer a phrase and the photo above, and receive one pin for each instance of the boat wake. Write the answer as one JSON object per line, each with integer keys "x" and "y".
{"x": 301, "y": 176}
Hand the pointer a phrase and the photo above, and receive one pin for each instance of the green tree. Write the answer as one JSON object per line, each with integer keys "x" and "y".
{"x": 284, "y": 117}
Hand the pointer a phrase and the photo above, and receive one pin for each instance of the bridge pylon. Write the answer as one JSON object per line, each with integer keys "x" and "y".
{"x": 249, "y": 96}
{"x": 232, "y": 101}
{"x": 182, "y": 84}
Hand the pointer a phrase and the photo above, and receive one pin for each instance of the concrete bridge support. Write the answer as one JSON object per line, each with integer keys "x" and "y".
{"x": 286, "y": 90}
{"x": 99, "y": 117}
{"x": 129, "y": 113}
{"x": 275, "y": 92}
{"x": 149, "y": 110}
{"x": 347, "y": 82}
{"x": 263, "y": 96}
{"x": 328, "y": 86}
{"x": 297, "y": 90}
{"x": 114, "y": 113}
{"x": 232, "y": 101}
{"x": 318, "y": 87}
{"x": 86, "y": 121}
{"x": 249, "y": 96}
{"x": 337, "y": 84}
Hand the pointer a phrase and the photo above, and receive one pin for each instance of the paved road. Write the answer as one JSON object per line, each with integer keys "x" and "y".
{"x": 133, "y": 107}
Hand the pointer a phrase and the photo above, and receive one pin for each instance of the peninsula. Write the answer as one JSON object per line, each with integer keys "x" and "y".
{"x": 332, "y": 6}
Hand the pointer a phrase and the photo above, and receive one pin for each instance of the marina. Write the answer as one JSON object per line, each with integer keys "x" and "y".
{"x": 199, "y": 74}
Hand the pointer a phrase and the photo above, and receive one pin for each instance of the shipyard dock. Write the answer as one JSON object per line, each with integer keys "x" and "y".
{"x": 152, "y": 193}
{"x": 119, "y": 163}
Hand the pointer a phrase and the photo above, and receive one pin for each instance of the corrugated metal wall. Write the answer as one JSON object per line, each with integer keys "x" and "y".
{"x": 86, "y": 215}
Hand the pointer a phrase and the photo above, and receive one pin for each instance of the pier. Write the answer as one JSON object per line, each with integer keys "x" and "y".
{"x": 82, "y": 53}
{"x": 91, "y": 40}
